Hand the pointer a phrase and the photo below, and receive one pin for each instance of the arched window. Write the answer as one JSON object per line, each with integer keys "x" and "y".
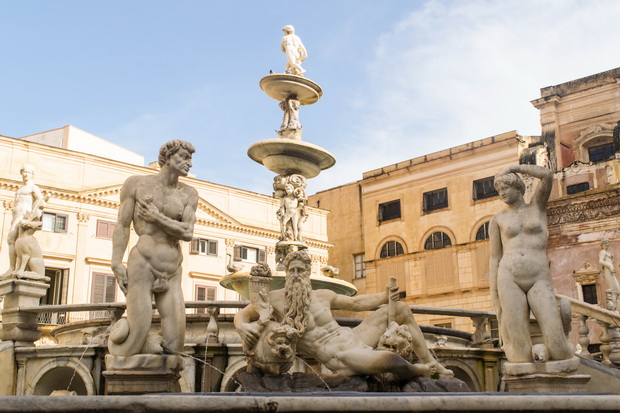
{"x": 483, "y": 232}
{"x": 437, "y": 240}
{"x": 391, "y": 249}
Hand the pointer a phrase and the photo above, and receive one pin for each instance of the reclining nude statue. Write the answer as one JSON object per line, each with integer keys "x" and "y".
{"x": 299, "y": 318}
{"x": 519, "y": 270}
{"x": 163, "y": 211}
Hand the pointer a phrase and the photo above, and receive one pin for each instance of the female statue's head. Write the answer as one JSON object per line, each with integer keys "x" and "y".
{"x": 509, "y": 186}
{"x": 604, "y": 243}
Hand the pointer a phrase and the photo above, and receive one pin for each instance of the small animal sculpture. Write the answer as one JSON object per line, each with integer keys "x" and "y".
{"x": 329, "y": 271}
{"x": 28, "y": 256}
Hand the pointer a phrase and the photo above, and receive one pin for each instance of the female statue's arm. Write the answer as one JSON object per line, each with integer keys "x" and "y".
{"x": 496, "y": 256}
{"x": 543, "y": 189}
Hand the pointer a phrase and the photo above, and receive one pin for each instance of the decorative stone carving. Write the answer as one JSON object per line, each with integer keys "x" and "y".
{"x": 292, "y": 212}
{"x": 610, "y": 175}
{"x": 519, "y": 269}
{"x": 83, "y": 217}
{"x": 605, "y": 207}
{"x": 295, "y": 51}
{"x": 290, "y": 128}
{"x": 25, "y": 254}
{"x": 342, "y": 350}
{"x": 163, "y": 211}
{"x": 608, "y": 272}
{"x": 586, "y": 274}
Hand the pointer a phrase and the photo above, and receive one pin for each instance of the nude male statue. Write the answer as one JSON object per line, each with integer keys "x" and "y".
{"x": 28, "y": 199}
{"x": 163, "y": 211}
{"x": 295, "y": 51}
{"x": 347, "y": 351}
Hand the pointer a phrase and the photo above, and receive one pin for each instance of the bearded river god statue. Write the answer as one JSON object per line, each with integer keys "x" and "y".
{"x": 277, "y": 325}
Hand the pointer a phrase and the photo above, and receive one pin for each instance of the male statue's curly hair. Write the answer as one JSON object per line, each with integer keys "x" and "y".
{"x": 171, "y": 147}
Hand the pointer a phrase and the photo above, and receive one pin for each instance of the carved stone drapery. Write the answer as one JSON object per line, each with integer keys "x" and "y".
{"x": 600, "y": 208}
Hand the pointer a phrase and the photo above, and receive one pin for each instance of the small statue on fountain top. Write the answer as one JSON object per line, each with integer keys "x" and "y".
{"x": 295, "y": 51}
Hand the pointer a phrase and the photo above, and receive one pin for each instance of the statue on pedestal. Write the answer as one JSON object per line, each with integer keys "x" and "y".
{"x": 519, "y": 269}
{"x": 295, "y": 51}
{"x": 609, "y": 273}
{"x": 163, "y": 211}
{"x": 343, "y": 350}
{"x": 25, "y": 257}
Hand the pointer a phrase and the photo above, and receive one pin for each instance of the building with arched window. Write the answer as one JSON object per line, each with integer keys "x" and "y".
{"x": 438, "y": 206}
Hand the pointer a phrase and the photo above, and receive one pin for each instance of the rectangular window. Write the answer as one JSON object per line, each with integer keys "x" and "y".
{"x": 389, "y": 210}
{"x": 360, "y": 265}
{"x": 601, "y": 152}
{"x": 204, "y": 293}
{"x": 589, "y": 294}
{"x": 56, "y": 294}
{"x": 576, "y": 188}
{"x": 435, "y": 199}
{"x": 250, "y": 254}
{"x": 105, "y": 229}
{"x": 103, "y": 291}
{"x": 203, "y": 246}
{"x": 54, "y": 222}
{"x": 484, "y": 188}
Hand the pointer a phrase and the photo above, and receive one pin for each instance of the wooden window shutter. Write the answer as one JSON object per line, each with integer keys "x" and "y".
{"x": 237, "y": 254}
{"x": 194, "y": 246}
{"x": 98, "y": 288}
{"x": 211, "y": 294}
{"x": 110, "y": 289}
{"x": 262, "y": 256}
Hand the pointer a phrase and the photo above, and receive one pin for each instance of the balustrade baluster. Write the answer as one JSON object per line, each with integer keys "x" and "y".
{"x": 584, "y": 339}
{"x": 605, "y": 339}
{"x": 213, "y": 330}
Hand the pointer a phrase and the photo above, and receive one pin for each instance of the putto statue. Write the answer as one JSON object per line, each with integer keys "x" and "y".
{"x": 519, "y": 269}
{"x": 606, "y": 260}
{"x": 299, "y": 319}
{"x": 163, "y": 211}
{"x": 295, "y": 51}
{"x": 25, "y": 257}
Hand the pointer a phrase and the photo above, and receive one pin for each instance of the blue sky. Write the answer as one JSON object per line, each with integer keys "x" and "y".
{"x": 400, "y": 78}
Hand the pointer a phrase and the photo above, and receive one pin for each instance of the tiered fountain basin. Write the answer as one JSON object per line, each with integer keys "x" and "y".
{"x": 239, "y": 283}
{"x": 282, "y": 86}
{"x": 286, "y": 157}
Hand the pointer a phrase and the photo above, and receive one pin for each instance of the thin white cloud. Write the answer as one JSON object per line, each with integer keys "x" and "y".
{"x": 454, "y": 72}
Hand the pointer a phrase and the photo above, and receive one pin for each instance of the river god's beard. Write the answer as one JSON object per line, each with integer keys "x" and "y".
{"x": 297, "y": 296}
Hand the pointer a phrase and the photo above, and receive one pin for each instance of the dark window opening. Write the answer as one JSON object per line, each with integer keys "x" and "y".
{"x": 601, "y": 152}
{"x": 483, "y": 188}
{"x": 54, "y": 222}
{"x": 389, "y": 210}
{"x": 437, "y": 240}
{"x": 391, "y": 249}
{"x": 589, "y": 293}
{"x": 435, "y": 199}
{"x": 483, "y": 232}
{"x": 576, "y": 188}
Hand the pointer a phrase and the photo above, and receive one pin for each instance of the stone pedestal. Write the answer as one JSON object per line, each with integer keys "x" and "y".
{"x": 548, "y": 377}
{"x": 142, "y": 373}
{"x": 19, "y": 326}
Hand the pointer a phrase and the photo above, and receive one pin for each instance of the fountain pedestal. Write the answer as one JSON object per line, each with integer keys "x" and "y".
{"x": 19, "y": 326}
{"x": 142, "y": 374}
{"x": 547, "y": 377}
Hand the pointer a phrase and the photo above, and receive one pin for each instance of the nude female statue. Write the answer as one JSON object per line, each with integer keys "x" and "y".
{"x": 605, "y": 259}
{"x": 519, "y": 268}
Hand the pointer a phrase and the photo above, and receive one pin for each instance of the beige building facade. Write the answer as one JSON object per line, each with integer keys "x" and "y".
{"x": 424, "y": 220}
{"x": 232, "y": 225}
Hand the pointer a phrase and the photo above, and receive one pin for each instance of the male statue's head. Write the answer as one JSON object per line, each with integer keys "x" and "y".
{"x": 171, "y": 150}
{"x": 288, "y": 29}
{"x": 297, "y": 289}
{"x": 27, "y": 172}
